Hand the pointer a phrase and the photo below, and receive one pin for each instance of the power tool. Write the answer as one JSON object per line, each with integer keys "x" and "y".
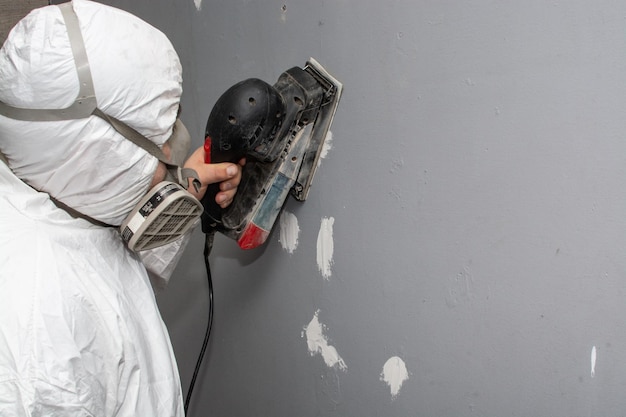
{"x": 280, "y": 129}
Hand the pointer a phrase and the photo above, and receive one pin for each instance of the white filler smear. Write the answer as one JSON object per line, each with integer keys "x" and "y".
{"x": 326, "y": 147}
{"x": 325, "y": 247}
{"x": 318, "y": 344}
{"x": 289, "y": 231}
{"x": 394, "y": 374}
{"x": 593, "y": 361}
{"x": 198, "y": 4}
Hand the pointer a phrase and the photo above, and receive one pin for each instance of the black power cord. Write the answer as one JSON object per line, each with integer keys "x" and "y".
{"x": 208, "y": 244}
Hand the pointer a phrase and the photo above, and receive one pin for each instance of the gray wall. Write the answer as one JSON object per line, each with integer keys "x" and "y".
{"x": 477, "y": 184}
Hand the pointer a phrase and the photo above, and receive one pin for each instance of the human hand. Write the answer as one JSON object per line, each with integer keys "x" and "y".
{"x": 226, "y": 173}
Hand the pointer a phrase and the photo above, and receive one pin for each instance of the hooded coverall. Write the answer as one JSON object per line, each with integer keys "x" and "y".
{"x": 80, "y": 331}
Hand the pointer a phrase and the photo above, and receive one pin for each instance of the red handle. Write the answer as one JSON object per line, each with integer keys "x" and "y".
{"x": 207, "y": 150}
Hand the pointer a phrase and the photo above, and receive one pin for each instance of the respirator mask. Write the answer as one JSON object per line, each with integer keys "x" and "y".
{"x": 168, "y": 210}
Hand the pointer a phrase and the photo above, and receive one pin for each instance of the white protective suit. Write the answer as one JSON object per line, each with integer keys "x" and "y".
{"x": 80, "y": 331}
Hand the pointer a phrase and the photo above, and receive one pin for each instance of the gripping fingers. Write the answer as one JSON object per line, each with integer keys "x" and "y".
{"x": 224, "y": 198}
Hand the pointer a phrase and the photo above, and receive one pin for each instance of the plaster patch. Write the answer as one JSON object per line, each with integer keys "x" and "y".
{"x": 198, "y": 4}
{"x": 394, "y": 374}
{"x": 317, "y": 343}
{"x": 593, "y": 361}
{"x": 289, "y": 231}
{"x": 326, "y": 147}
{"x": 325, "y": 247}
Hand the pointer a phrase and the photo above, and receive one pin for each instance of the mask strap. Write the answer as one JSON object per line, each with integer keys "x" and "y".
{"x": 85, "y": 102}
{"x": 181, "y": 174}
{"x": 72, "y": 212}
{"x": 77, "y": 214}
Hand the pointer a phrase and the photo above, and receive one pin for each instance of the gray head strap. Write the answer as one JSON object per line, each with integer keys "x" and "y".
{"x": 85, "y": 102}
{"x": 181, "y": 174}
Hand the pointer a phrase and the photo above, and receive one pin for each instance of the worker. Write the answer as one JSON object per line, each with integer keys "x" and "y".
{"x": 89, "y": 105}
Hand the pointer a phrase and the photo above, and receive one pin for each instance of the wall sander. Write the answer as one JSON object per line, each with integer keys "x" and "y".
{"x": 280, "y": 129}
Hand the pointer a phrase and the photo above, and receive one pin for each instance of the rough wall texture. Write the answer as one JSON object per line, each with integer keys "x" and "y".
{"x": 474, "y": 198}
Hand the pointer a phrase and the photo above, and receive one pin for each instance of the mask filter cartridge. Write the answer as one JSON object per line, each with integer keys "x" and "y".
{"x": 163, "y": 215}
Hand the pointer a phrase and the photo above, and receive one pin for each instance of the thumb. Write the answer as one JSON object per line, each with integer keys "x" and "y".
{"x": 212, "y": 173}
